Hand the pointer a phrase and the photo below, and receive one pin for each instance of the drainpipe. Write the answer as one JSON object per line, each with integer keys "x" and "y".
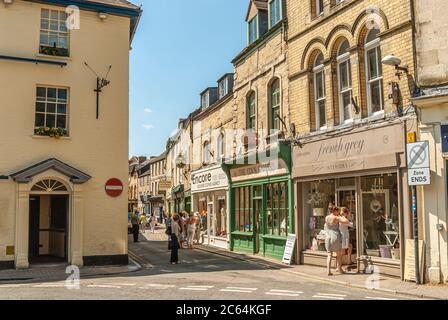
{"x": 414, "y": 41}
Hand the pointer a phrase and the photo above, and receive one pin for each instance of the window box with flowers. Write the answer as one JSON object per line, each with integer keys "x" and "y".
{"x": 51, "y": 132}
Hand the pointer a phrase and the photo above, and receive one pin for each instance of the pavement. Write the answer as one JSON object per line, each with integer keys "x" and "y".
{"x": 59, "y": 271}
{"x": 204, "y": 273}
{"x": 375, "y": 282}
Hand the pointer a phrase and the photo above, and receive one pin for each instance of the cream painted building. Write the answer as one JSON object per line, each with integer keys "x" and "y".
{"x": 52, "y": 190}
{"x": 213, "y": 141}
{"x": 432, "y": 107}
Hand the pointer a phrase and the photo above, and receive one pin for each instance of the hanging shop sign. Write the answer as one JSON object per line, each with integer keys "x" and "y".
{"x": 214, "y": 178}
{"x": 260, "y": 170}
{"x": 419, "y": 172}
{"x": 289, "y": 248}
{"x": 114, "y": 187}
{"x": 370, "y": 149}
{"x": 164, "y": 185}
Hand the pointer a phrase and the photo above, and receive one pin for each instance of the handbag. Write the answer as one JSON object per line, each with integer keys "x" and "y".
{"x": 168, "y": 231}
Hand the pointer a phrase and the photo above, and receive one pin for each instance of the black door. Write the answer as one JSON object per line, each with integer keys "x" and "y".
{"x": 33, "y": 239}
{"x": 59, "y": 214}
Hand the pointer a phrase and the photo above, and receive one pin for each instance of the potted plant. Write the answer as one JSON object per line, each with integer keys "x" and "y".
{"x": 53, "y": 132}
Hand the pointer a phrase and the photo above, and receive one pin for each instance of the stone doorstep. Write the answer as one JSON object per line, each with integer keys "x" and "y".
{"x": 314, "y": 272}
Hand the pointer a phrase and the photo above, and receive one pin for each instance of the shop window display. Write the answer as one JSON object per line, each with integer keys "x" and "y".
{"x": 380, "y": 216}
{"x": 318, "y": 195}
{"x": 277, "y": 208}
{"x": 243, "y": 200}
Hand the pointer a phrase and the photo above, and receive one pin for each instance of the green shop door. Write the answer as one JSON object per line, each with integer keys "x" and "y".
{"x": 258, "y": 213}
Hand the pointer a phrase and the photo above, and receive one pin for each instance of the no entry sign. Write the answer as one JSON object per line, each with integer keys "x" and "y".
{"x": 114, "y": 187}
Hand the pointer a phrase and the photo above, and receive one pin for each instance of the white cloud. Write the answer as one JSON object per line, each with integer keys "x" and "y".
{"x": 148, "y": 110}
{"x": 148, "y": 126}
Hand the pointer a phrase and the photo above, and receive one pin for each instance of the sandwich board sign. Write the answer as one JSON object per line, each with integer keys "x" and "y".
{"x": 289, "y": 248}
{"x": 419, "y": 172}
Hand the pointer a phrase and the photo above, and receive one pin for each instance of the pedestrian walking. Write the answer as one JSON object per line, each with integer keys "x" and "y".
{"x": 183, "y": 229}
{"x": 191, "y": 230}
{"x": 135, "y": 226}
{"x": 143, "y": 223}
{"x": 333, "y": 237}
{"x": 152, "y": 223}
{"x": 175, "y": 240}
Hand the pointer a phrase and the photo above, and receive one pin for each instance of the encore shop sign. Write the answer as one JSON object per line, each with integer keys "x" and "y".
{"x": 369, "y": 149}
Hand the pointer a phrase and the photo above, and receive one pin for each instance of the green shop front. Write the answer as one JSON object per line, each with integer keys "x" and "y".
{"x": 261, "y": 202}
{"x": 181, "y": 199}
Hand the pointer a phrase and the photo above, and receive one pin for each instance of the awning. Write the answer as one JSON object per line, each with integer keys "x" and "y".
{"x": 177, "y": 189}
{"x": 155, "y": 199}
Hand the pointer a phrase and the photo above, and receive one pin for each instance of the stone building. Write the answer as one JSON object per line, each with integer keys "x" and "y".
{"x": 133, "y": 182}
{"x": 59, "y": 147}
{"x": 260, "y": 193}
{"x": 431, "y": 101}
{"x": 213, "y": 139}
{"x": 351, "y": 112}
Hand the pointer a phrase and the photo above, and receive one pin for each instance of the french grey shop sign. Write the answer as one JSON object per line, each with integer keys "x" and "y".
{"x": 214, "y": 178}
{"x": 369, "y": 149}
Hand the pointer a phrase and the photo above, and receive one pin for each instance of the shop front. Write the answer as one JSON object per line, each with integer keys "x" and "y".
{"x": 209, "y": 189}
{"x": 177, "y": 199}
{"x": 365, "y": 172}
{"x": 261, "y": 203}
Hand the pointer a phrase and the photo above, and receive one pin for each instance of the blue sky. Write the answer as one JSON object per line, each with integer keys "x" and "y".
{"x": 181, "y": 48}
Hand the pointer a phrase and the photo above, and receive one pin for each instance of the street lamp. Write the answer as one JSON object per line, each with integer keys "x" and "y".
{"x": 392, "y": 60}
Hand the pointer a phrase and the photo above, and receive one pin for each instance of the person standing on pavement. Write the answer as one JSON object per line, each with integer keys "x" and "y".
{"x": 152, "y": 223}
{"x": 135, "y": 226}
{"x": 143, "y": 222}
{"x": 191, "y": 230}
{"x": 175, "y": 244}
{"x": 198, "y": 227}
{"x": 333, "y": 237}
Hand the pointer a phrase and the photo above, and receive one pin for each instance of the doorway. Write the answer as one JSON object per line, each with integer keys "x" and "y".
{"x": 48, "y": 226}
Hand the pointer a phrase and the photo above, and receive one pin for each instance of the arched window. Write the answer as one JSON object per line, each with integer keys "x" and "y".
{"x": 221, "y": 146}
{"x": 344, "y": 82}
{"x": 319, "y": 92}
{"x": 48, "y": 185}
{"x": 374, "y": 72}
{"x": 206, "y": 152}
{"x": 274, "y": 105}
{"x": 251, "y": 111}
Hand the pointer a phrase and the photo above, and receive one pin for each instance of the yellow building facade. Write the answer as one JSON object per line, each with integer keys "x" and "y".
{"x": 53, "y": 199}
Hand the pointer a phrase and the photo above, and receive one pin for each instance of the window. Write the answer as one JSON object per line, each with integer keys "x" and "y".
{"x": 275, "y": 11}
{"x": 319, "y": 7}
{"x": 277, "y": 208}
{"x": 221, "y": 146}
{"x": 251, "y": 111}
{"x": 51, "y": 108}
{"x": 206, "y": 100}
{"x": 319, "y": 92}
{"x": 344, "y": 83}
{"x": 253, "y": 30}
{"x": 374, "y": 73}
{"x": 206, "y": 153}
{"x": 223, "y": 87}
{"x": 243, "y": 200}
{"x": 54, "y": 35}
{"x": 275, "y": 105}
